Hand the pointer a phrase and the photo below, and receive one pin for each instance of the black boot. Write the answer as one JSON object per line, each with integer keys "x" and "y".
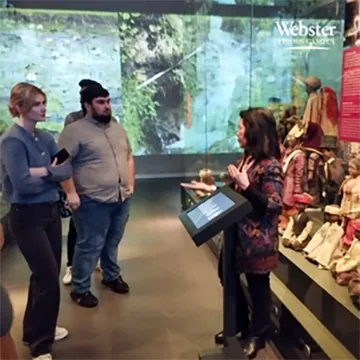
{"x": 241, "y": 335}
{"x": 253, "y": 345}
{"x": 118, "y": 285}
{"x": 87, "y": 299}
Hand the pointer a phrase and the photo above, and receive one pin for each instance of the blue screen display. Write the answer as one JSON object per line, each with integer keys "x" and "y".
{"x": 210, "y": 209}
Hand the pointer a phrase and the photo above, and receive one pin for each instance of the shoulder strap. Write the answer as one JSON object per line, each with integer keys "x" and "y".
{"x": 289, "y": 158}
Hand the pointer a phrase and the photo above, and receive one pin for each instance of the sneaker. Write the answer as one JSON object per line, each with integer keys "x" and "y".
{"x": 60, "y": 333}
{"x": 87, "y": 299}
{"x": 43, "y": 357}
{"x": 118, "y": 285}
{"x": 67, "y": 277}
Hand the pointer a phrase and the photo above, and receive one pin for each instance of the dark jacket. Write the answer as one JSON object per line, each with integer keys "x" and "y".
{"x": 300, "y": 223}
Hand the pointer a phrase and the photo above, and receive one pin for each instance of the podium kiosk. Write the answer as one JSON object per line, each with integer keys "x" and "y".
{"x": 220, "y": 212}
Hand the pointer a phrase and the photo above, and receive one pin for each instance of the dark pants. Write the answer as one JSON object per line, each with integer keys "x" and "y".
{"x": 37, "y": 230}
{"x": 71, "y": 241}
{"x": 260, "y": 293}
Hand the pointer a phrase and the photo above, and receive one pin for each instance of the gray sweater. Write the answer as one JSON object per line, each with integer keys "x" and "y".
{"x": 19, "y": 151}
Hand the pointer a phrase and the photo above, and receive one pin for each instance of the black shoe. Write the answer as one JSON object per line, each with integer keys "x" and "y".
{"x": 253, "y": 345}
{"x": 118, "y": 285}
{"x": 87, "y": 299}
{"x": 241, "y": 335}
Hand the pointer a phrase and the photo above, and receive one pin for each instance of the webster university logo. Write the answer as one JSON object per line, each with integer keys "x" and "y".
{"x": 299, "y": 36}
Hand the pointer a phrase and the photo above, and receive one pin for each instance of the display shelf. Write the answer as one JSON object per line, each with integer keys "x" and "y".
{"x": 322, "y": 278}
{"x": 322, "y": 308}
{"x": 329, "y": 303}
{"x": 333, "y": 348}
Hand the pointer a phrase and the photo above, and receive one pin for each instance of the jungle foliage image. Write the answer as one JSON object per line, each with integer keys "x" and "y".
{"x": 177, "y": 82}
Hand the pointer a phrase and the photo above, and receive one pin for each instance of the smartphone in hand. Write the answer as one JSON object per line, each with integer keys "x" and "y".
{"x": 61, "y": 156}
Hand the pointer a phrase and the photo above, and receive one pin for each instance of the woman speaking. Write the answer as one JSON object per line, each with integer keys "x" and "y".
{"x": 258, "y": 177}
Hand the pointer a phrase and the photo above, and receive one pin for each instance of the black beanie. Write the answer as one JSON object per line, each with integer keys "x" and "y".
{"x": 92, "y": 92}
{"x": 88, "y": 82}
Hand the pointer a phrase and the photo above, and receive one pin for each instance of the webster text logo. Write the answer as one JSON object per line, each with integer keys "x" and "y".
{"x": 299, "y": 36}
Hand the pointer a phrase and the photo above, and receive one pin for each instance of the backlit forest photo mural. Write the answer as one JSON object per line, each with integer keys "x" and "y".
{"x": 177, "y": 82}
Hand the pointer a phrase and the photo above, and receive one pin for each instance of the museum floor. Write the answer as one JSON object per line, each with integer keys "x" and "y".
{"x": 175, "y": 304}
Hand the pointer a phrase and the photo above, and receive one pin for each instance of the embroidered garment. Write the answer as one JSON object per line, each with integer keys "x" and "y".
{"x": 350, "y": 206}
{"x": 257, "y": 245}
{"x": 324, "y": 244}
{"x": 351, "y": 261}
{"x": 294, "y": 170}
{"x": 317, "y": 239}
{"x": 315, "y": 166}
{"x": 351, "y": 194}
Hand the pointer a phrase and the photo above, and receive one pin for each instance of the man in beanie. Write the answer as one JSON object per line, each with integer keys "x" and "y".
{"x": 72, "y": 234}
{"x": 77, "y": 115}
{"x": 98, "y": 194}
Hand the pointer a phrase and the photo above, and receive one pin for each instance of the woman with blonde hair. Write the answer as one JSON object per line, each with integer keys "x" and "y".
{"x": 30, "y": 184}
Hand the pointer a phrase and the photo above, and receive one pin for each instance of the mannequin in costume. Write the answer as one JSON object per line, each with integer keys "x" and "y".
{"x": 326, "y": 240}
{"x": 348, "y": 267}
{"x": 312, "y": 111}
{"x": 350, "y": 203}
{"x": 315, "y": 161}
{"x": 294, "y": 169}
{"x": 298, "y": 231}
{"x": 334, "y": 174}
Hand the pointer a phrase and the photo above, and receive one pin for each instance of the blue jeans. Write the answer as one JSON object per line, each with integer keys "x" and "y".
{"x": 100, "y": 227}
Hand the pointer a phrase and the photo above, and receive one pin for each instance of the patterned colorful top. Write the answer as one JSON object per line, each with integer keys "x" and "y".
{"x": 257, "y": 247}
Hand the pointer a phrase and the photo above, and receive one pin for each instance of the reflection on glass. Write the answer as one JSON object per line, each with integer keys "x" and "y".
{"x": 281, "y": 61}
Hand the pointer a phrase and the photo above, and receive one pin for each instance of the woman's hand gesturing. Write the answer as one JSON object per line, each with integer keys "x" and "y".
{"x": 241, "y": 178}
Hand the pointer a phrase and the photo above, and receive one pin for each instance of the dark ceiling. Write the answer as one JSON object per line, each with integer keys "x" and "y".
{"x": 326, "y": 9}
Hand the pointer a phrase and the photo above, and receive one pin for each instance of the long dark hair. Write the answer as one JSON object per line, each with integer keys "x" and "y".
{"x": 261, "y": 134}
